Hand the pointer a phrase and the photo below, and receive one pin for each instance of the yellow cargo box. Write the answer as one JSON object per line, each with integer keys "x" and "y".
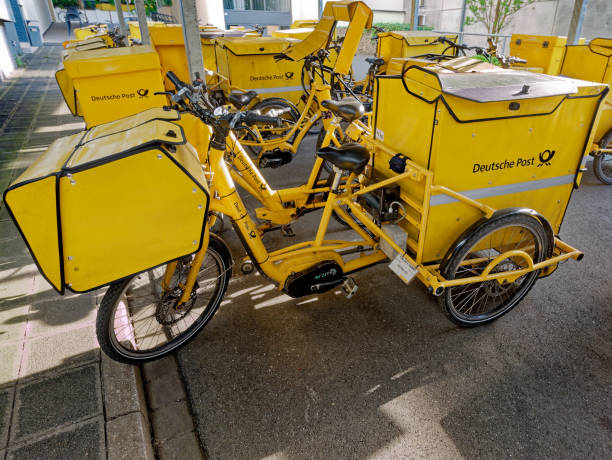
{"x": 134, "y": 28}
{"x": 249, "y": 64}
{"x": 170, "y": 46}
{"x": 82, "y": 33}
{"x": 301, "y": 23}
{"x": 505, "y": 138}
{"x": 298, "y": 33}
{"x": 94, "y": 207}
{"x": 401, "y": 44}
{"x": 543, "y": 53}
{"x": 592, "y": 62}
{"x": 113, "y": 83}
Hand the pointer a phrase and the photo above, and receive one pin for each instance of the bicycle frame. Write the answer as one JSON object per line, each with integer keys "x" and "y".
{"x": 310, "y": 115}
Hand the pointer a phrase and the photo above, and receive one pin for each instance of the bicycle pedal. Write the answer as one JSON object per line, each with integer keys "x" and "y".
{"x": 349, "y": 287}
{"x": 287, "y": 230}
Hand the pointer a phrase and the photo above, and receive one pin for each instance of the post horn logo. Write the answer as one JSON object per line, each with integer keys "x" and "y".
{"x": 142, "y": 92}
{"x": 545, "y": 157}
{"x": 289, "y": 75}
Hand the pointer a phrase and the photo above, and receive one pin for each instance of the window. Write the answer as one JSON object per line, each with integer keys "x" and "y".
{"x": 257, "y": 5}
{"x": 421, "y": 20}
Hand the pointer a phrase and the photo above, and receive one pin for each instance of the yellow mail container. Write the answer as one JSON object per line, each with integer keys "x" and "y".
{"x": 249, "y": 64}
{"x": 505, "y": 138}
{"x": 301, "y": 23}
{"x": 592, "y": 62}
{"x": 96, "y": 206}
{"x": 543, "y": 53}
{"x": 134, "y": 28}
{"x": 114, "y": 83}
{"x": 82, "y": 33}
{"x": 410, "y": 43}
{"x": 299, "y": 33}
{"x": 170, "y": 46}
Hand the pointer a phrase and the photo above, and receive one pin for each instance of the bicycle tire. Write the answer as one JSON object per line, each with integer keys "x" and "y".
{"x": 455, "y": 298}
{"x": 106, "y": 319}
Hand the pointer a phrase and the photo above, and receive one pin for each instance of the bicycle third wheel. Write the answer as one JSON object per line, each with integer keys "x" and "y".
{"x": 479, "y": 303}
{"x": 138, "y": 322}
{"x": 602, "y": 164}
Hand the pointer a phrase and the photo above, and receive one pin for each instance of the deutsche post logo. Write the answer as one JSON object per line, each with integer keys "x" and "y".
{"x": 142, "y": 92}
{"x": 289, "y": 75}
{"x": 545, "y": 157}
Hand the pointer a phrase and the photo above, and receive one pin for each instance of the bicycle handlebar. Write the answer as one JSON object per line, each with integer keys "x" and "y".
{"x": 185, "y": 93}
{"x": 176, "y": 81}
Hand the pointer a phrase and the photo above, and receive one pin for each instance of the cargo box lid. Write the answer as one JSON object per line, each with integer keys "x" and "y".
{"x": 486, "y": 83}
{"x": 601, "y": 46}
{"x": 418, "y": 37}
{"x": 111, "y": 60}
{"x": 255, "y": 45}
{"x": 504, "y": 85}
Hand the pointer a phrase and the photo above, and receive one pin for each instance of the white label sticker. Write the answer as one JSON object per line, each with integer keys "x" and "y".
{"x": 402, "y": 268}
{"x": 380, "y": 134}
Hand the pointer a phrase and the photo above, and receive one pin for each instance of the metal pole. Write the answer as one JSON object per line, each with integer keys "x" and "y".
{"x": 575, "y": 29}
{"x": 462, "y": 24}
{"x": 413, "y": 18}
{"x": 122, "y": 27}
{"x": 142, "y": 23}
{"x": 191, "y": 34}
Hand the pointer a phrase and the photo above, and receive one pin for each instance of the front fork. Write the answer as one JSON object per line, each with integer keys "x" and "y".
{"x": 194, "y": 269}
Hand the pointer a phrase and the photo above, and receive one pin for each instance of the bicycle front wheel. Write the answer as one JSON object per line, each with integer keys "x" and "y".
{"x": 138, "y": 321}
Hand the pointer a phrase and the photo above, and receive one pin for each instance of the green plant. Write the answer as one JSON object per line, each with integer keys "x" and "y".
{"x": 494, "y": 14}
{"x": 392, "y": 26}
{"x": 492, "y": 60}
{"x": 65, "y": 3}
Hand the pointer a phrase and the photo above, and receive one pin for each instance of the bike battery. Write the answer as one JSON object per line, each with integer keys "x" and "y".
{"x": 111, "y": 201}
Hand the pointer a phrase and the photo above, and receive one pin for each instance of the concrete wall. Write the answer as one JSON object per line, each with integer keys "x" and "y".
{"x": 544, "y": 17}
{"x": 301, "y": 9}
{"x": 38, "y": 10}
{"x": 7, "y": 65}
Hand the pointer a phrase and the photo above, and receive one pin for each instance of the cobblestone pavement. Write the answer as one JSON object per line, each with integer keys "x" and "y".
{"x": 59, "y": 398}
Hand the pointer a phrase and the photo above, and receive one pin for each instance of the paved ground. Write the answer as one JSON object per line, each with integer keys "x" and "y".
{"x": 383, "y": 375}
{"x": 386, "y": 375}
{"x": 58, "y": 397}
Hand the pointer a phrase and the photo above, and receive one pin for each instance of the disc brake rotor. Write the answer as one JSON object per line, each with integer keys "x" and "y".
{"x": 169, "y": 311}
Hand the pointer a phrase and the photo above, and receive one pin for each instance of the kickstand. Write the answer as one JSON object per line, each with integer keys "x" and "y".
{"x": 286, "y": 230}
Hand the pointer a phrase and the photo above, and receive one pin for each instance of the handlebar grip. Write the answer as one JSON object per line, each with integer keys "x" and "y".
{"x": 251, "y": 117}
{"x": 176, "y": 81}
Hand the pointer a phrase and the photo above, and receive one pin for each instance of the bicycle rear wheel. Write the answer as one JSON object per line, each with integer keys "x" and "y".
{"x": 480, "y": 303}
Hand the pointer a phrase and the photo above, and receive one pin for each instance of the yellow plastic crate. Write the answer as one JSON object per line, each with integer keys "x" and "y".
{"x": 113, "y": 83}
{"x": 96, "y": 206}
{"x": 249, "y": 64}
{"x": 506, "y": 138}
{"x": 401, "y": 44}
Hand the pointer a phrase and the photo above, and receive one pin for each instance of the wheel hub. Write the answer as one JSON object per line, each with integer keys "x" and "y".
{"x": 169, "y": 311}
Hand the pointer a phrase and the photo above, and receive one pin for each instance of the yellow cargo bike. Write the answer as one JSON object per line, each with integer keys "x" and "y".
{"x": 465, "y": 189}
